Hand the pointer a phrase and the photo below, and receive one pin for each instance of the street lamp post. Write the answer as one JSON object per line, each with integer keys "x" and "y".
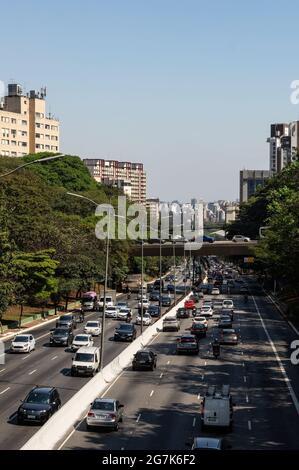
{"x": 33, "y": 162}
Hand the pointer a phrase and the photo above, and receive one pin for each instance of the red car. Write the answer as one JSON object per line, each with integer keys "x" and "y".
{"x": 189, "y": 304}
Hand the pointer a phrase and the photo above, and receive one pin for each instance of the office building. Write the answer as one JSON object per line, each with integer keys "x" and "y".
{"x": 128, "y": 176}
{"x": 24, "y": 125}
{"x": 283, "y": 145}
{"x": 250, "y": 181}
{"x": 153, "y": 208}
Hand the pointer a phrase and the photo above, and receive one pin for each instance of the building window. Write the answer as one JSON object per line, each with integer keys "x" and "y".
{"x": 22, "y": 144}
{"x": 47, "y": 126}
{"x": 47, "y": 147}
{"x": 47, "y": 137}
{"x": 54, "y": 128}
{"x": 4, "y": 119}
{"x": 13, "y": 121}
{"x": 54, "y": 137}
{"x": 13, "y": 142}
{"x": 24, "y": 123}
{"x": 5, "y": 132}
{"x": 5, "y": 142}
{"x": 13, "y": 154}
{"x": 53, "y": 147}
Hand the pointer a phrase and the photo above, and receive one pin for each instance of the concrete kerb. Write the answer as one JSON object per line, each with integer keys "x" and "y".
{"x": 65, "y": 419}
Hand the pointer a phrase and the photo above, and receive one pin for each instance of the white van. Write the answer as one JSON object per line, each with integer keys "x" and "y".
{"x": 217, "y": 409}
{"x": 109, "y": 302}
{"x": 86, "y": 361}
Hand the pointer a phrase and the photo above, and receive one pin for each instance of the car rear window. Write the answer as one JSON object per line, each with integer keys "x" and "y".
{"x": 103, "y": 405}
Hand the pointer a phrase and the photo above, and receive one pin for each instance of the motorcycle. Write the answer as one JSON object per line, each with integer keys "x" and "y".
{"x": 129, "y": 318}
{"x": 216, "y": 350}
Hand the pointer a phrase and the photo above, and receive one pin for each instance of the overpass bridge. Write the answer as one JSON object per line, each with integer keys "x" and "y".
{"x": 222, "y": 248}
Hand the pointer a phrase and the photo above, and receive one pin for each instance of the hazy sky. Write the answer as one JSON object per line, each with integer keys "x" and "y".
{"x": 188, "y": 87}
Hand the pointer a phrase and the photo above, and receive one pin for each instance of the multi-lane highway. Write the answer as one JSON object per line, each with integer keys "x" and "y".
{"x": 49, "y": 366}
{"x": 162, "y": 407}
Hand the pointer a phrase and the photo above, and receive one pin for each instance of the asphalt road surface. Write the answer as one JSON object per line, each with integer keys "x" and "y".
{"x": 162, "y": 407}
{"x": 48, "y": 366}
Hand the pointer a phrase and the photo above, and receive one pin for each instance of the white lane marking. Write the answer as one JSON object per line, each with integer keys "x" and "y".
{"x": 244, "y": 379}
{"x": 42, "y": 336}
{"x": 249, "y": 425}
{"x": 161, "y": 375}
{"x": 55, "y": 357}
{"x": 122, "y": 448}
{"x": 138, "y": 418}
{"x": 243, "y": 364}
{"x": 5, "y": 390}
{"x": 247, "y": 398}
{"x": 32, "y": 372}
{"x": 194, "y": 421}
{"x": 168, "y": 362}
{"x": 2, "y": 370}
{"x": 205, "y": 363}
{"x": 202, "y": 377}
{"x": 152, "y": 392}
{"x": 198, "y": 396}
{"x": 282, "y": 369}
{"x": 26, "y": 357}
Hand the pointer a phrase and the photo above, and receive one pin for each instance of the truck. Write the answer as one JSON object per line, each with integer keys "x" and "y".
{"x": 110, "y": 299}
{"x": 133, "y": 283}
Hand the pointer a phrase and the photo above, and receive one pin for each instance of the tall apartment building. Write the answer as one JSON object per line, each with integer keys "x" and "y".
{"x": 128, "y": 176}
{"x": 153, "y": 208}
{"x": 250, "y": 181}
{"x": 24, "y": 126}
{"x": 283, "y": 145}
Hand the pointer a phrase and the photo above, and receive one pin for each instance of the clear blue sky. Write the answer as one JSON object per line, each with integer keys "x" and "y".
{"x": 187, "y": 87}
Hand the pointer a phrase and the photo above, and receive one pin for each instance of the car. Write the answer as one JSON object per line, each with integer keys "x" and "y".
{"x": 145, "y": 303}
{"x": 104, "y": 412}
{"x": 69, "y": 321}
{"x": 207, "y": 312}
{"x": 228, "y": 336}
{"x": 189, "y": 304}
{"x": 207, "y": 303}
{"x": 86, "y": 361}
{"x": 165, "y": 301}
{"x": 146, "y": 320}
{"x": 23, "y": 343}
{"x": 225, "y": 321}
{"x": 228, "y": 303}
{"x": 39, "y": 405}
{"x": 120, "y": 305}
{"x": 240, "y": 238}
{"x": 187, "y": 343}
{"x": 125, "y": 332}
{"x": 198, "y": 329}
{"x": 124, "y": 313}
{"x": 61, "y": 337}
{"x": 215, "y": 291}
{"x": 111, "y": 311}
{"x": 209, "y": 443}
{"x": 201, "y": 319}
{"x": 108, "y": 302}
{"x": 228, "y": 312}
{"x": 170, "y": 287}
{"x": 93, "y": 327}
{"x": 171, "y": 323}
{"x": 154, "y": 296}
{"x": 144, "y": 359}
{"x": 244, "y": 290}
{"x": 194, "y": 297}
{"x": 154, "y": 310}
{"x": 81, "y": 340}
{"x": 183, "y": 312}
{"x": 217, "y": 305}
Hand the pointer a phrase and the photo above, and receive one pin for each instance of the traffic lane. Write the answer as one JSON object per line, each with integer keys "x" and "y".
{"x": 57, "y": 375}
{"x": 137, "y": 390}
{"x": 273, "y": 417}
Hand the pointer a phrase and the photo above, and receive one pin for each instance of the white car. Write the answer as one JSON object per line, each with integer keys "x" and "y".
{"x": 93, "y": 327}
{"x": 215, "y": 291}
{"x": 206, "y": 312}
{"x": 201, "y": 319}
{"x": 228, "y": 303}
{"x": 240, "y": 238}
{"x": 146, "y": 303}
{"x": 147, "y": 319}
{"x": 81, "y": 340}
{"x": 23, "y": 343}
{"x": 123, "y": 312}
{"x": 111, "y": 311}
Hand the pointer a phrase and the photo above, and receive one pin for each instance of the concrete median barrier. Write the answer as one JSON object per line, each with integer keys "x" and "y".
{"x": 70, "y": 414}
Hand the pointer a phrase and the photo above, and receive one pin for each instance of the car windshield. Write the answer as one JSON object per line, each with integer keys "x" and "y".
{"x": 61, "y": 332}
{"x": 81, "y": 338}
{"x": 65, "y": 318}
{"x": 87, "y": 299}
{"x": 142, "y": 355}
{"x": 38, "y": 397}
{"x": 187, "y": 340}
{"x": 84, "y": 357}
{"x": 92, "y": 324}
{"x": 121, "y": 304}
{"x": 197, "y": 326}
{"x": 125, "y": 327}
{"x": 21, "y": 339}
{"x": 103, "y": 405}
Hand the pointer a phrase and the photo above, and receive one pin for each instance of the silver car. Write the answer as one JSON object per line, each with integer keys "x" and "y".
{"x": 105, "y": 412}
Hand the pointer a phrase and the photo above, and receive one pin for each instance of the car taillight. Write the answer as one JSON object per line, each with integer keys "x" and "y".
{"x": 91, "y": 414}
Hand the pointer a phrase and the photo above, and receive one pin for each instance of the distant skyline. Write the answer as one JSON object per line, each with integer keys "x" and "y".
{"x": 188, "y": 88}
